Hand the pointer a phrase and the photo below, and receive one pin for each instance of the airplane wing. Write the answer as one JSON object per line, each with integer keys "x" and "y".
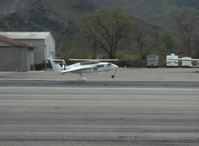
{"x": 191, "y": 59}
{"x": 182, "y": 59}
{"x": 74, "y": 59}
{"x": 97, "y": 60}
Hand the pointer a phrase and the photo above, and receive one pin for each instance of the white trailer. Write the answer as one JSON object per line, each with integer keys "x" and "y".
{"x": 152, "y": 61}
{"x": 172, "y": 60}
{"x": 186, "y": 62}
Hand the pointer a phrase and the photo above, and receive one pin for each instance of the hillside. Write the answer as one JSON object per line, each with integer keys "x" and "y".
{"x": 62, "y": 16}
{"x": 156, "y": 12}
{"x": 44, "y": 15}
{"x": 59, "y": 17}
{"x": 12, "y": 6}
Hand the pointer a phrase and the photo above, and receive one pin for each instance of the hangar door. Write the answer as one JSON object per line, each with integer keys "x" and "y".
{"x": 12, "y": 59}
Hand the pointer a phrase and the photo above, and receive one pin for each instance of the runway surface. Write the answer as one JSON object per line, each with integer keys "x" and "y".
{"x": 99, "y": 116}
{"x": 90, "y": 84}
{"x": 40, "y": 110}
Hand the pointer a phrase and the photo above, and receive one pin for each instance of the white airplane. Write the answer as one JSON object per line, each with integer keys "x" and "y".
{"x": 84, "y": 66}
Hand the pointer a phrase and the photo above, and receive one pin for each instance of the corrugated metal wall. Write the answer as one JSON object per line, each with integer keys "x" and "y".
{"x": 43, "y": 41}
{"x": 13, "y": 58}
{"x": 38, "y": 50}
{"x": 8, "y": 59}
{"x": 50, "y": 47}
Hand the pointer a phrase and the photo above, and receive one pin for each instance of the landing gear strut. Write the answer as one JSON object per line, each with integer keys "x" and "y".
{"x": 82, "y": 78}
{"x": 113, "y": 76}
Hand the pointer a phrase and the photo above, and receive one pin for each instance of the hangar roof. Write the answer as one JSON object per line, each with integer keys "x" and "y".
{"x": 15, "y": 42}
{"x": 26, "y": 35}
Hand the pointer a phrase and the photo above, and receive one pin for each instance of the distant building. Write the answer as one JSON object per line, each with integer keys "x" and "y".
{"x": 44, "y": 43}
{"x": 15, "y": 55}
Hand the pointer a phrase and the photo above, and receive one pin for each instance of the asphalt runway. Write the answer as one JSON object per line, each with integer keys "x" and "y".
{"x": 158, "y": 109}
{"x": 90, "y": 84}
{"x": 137, "y": 77}
{"x": 98, "y": 116}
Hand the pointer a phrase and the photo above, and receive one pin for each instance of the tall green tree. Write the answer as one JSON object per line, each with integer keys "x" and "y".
{"x": 106, "y": 30}
{"x": 187, "y": 22}
{"x": 167, "y": 43}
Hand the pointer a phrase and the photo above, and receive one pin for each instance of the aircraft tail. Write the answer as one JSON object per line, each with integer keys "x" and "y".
{"x": 56, "y": 67}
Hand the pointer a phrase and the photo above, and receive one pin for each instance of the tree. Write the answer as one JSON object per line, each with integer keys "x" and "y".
{"x": 168, "y": 44}
{"x": 187, "y": 22}
{"x": 107, "y": 30}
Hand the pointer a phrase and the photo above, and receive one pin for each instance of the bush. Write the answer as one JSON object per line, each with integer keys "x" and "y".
{"x": 130, "y": 60}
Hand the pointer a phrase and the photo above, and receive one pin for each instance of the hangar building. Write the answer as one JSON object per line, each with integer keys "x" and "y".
{"x": 44, "y": 43}
{"x": 15, "y": 55}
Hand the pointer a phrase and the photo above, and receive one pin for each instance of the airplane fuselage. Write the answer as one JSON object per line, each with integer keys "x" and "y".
{"x": 84, "y": 67}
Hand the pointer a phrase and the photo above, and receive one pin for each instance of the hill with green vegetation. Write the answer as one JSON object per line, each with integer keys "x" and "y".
{"x": 156, "y": 12}
{"x": 12, "y": 6}
{"x": 64, "y": 19}
{"x": 59, "y": 17}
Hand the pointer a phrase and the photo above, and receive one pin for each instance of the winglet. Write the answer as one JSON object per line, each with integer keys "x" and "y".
{"x": 56, "y": 67}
